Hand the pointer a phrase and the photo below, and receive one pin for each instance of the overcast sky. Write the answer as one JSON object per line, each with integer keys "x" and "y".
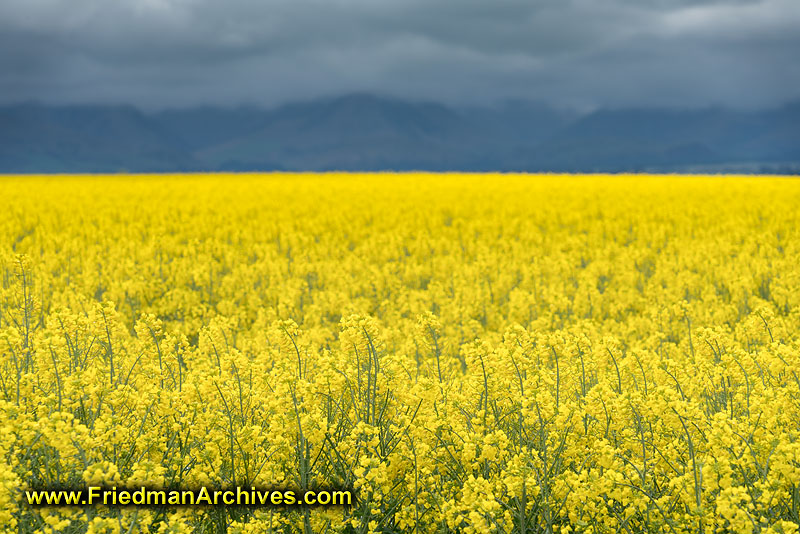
{"x": 579, "y": 53}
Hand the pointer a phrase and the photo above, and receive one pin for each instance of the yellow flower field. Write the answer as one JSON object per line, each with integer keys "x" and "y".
{"x": 472, "y": 353}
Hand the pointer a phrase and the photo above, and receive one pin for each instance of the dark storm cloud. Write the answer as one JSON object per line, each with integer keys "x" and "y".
{"x": 571, "y": 52}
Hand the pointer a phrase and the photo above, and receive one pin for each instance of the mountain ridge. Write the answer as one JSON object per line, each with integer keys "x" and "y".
{"x": 367, "y": 132}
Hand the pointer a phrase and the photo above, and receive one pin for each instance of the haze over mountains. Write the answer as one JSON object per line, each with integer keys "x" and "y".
{"x": 367, "y": 132}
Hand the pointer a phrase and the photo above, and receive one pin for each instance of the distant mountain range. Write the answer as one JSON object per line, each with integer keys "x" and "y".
{"x": 368, "y": 132}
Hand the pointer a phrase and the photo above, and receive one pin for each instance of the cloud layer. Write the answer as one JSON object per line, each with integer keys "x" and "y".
{"x": 584, "y": 53}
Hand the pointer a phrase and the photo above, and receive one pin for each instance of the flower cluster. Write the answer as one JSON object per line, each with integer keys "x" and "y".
{"x": 471, "y": 353}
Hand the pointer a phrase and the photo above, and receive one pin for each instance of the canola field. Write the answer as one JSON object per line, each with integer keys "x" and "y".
{"x": 471, "y": 353}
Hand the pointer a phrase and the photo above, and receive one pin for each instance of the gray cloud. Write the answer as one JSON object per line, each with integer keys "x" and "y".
{"x": 584, "y": 53}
